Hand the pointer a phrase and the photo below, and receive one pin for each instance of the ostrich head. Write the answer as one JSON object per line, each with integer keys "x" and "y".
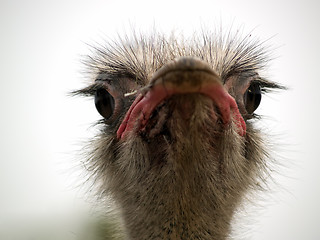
{"x": 178, "y": 149}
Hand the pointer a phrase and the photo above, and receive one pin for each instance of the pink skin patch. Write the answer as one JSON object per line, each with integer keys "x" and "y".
{"x": 141, "y": 109}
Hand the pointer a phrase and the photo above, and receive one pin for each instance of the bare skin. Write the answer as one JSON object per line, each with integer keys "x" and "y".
{"x": 178, "y": 150}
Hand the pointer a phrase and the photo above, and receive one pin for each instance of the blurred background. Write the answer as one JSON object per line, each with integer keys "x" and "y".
{"x": 42, "y": 129}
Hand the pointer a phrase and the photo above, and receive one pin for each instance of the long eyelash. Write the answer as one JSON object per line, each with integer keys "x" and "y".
{"x": 267, "y": 86}
{"x": 88, "y": 91}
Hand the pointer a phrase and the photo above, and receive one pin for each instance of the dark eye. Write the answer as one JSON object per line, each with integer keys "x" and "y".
{"x": 252, "y": 97}
{"x": 104, "y": 103}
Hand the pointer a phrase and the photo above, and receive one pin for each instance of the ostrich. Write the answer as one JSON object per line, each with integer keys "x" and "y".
{"x": 177, "y": 149}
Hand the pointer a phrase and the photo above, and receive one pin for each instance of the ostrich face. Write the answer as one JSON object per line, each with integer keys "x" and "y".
{"x": 177, "y": 148}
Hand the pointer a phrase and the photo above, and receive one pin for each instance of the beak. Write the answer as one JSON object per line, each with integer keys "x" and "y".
{"x": 181, "y": 76}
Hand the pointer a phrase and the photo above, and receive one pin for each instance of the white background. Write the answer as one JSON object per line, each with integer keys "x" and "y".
{"x": 41, "y": 43}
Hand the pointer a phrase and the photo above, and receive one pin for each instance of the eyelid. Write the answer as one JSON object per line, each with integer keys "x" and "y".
{"x": 116, "y": 95}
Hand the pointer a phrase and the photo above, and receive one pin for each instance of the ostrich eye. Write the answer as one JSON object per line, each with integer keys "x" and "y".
{"x": 104, "y": 103}
{"x": 252, "y": 97}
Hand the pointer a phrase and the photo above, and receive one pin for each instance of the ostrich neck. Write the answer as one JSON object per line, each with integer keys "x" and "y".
{"x": 177, "y": 214}
{"x": 183, "y": 194}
